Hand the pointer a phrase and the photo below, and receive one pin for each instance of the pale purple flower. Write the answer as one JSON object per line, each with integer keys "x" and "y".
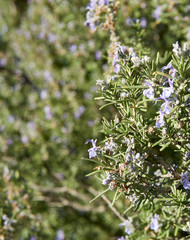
{"x": 188, "y": 34}
{"x": 73, "y": 48}
{"x": 4, "y": 29}
{"x": 172, "y": 71}
{"x": 157, "y": 13}
{"x": 33, "y": 238}
{"x": 166, "y": 92}
{"x": 149, "y": 93}
{"x": 48, "y": 113}
{"x": 87, "y": 95}
{"x": 47, "y": 75}
{"x": 3, "y": 62}
{"x": 166, "y": 107}
{"x": 160, "y": 121}
{"x": 24, "y": 139}
{"x": 121, "y": 238}
{"x": 128, "y": 21}
{"x": 79, "y": 112}
{"x": 98, "y": 55}
{"x": 122, "y": 49}
{"x": 11, "y": 119}
{"x": 51, "y": 37}
{"x": 90, "y": 123}
{"x": 115, "y": 59}
{"x": 103, "y": 2}
{"x": 143, "y": 22}
{"x": 108, "y": 179}
{"x": 185, "y": 180}
{"x": 129, "y": 228}
{"x": 91, "y": 20}
{"x": 42, "y": 35}
{"x": 43, "y": 94}
{"x": 92, "y": 4}
{"x": 154, "y": 223}
{"x": 9, "y": 141}
{"x": 117, "y": 68}
{"x": 92, "y": 151}
{"x": 60, "y": 235}
{"x": 57, "y": 94}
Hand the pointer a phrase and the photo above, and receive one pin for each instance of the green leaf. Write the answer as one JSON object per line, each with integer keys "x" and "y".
{"x": 165, "y": 146}
{"x": 105, "y": 105}
{"x": 162, "y": 74}
{"x": 115, "y": 196}
{"x": 131, "y": 206}
{"x": 92, "y": 173}
{"x": 156, "y": 143}
{"x": 99, "y": 195}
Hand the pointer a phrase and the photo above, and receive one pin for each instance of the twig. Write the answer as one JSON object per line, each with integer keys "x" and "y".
{"x": 114, "y": 209}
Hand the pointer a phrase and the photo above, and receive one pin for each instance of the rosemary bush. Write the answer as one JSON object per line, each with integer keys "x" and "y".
{"x": 145, "y": 154}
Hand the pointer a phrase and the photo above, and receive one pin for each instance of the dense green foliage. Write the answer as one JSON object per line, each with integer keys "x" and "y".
{"x": 51, "y": 54}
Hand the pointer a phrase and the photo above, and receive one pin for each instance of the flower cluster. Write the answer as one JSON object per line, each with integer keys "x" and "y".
{"x": 95, "y": 9}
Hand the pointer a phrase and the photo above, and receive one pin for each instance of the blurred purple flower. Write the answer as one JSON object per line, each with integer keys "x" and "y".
{"x": 11, "y": 119}
{"x": 3, "y": 62}
{"x": 47, "y": 76}
{"x": 9, "y": 141}
{"x": 60, "y": 235}
{"x": 57, "y": 94}
{"x": 79, "y": 112}
{"x": 129, "y": 228}
{"x": 98, "y": 55}
{"x": 90, "y": 123}
{"x": 73, "y": 48}
{"x": 91, "y": 20}
{"x": 143, "y": 22}
{"x": 43, "y": 94}
{"x": 157, "y": 13}
{"x": 128, "y": 21}
{"x": 87, "y": 95}
{"x": 48, "y": 113}
{"x": 24, "y": 139}
{"x": 185, "y": 180}
{"x": 188, "y": 34}
{"x": 91, "y": 5}
{"x": 42, "y": 35}
{"x": 33, "y": 238}
{"x": 51, "y": 37}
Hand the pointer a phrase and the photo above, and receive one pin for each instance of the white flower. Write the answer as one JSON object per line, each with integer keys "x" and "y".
{"x": 136, "y": 61}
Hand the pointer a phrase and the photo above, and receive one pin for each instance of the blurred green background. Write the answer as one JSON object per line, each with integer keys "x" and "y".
{"x": 49, "y": 64}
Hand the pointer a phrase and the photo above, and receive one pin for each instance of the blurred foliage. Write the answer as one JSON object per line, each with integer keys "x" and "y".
{"x": 48, "y": 67}
{"x": 49, "y": 64}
